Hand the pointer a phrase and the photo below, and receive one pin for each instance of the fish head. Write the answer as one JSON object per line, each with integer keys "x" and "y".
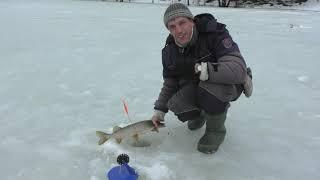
{"x": 160, "y": 125}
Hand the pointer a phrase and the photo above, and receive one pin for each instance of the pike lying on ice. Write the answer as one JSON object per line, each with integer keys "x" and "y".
{"x": 132, "y": 130}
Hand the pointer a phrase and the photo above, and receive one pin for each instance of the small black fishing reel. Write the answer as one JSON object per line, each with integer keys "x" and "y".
{"x": 123, "y": 159}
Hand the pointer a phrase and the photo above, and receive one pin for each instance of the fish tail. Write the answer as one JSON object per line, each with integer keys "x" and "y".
{"x": 103, "y": 137}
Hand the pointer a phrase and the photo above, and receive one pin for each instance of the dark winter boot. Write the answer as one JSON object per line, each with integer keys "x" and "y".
{"x": 214, "y": 134}
{"x": 196, "y": 123}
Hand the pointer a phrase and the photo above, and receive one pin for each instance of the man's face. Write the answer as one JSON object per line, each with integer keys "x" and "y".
{"x": 181, "y": 29}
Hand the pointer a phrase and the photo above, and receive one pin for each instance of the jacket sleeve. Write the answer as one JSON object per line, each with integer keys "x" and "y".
{"x": 170, "y": 86}
{"x": 170, "y": 81}
{"x": 230, "y": 67}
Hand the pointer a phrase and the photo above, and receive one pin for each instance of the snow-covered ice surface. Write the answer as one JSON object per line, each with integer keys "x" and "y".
{"x": 65, "y": 66}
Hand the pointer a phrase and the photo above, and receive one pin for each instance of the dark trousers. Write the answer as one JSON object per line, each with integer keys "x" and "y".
{"x": 191, "y": 99}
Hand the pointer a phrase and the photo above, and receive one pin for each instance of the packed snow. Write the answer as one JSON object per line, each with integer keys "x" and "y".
{"x": 66, "y": 66}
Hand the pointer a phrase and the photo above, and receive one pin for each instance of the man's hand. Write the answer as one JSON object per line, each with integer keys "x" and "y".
{"x": 203, "y": 70}
{"x": 157, "y": 118}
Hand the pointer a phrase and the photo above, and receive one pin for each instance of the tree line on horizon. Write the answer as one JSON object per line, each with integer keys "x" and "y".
{"x": 233, "y": 3}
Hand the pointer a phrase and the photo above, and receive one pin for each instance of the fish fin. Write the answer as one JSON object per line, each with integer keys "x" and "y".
{"x": 103, "y": 137}
{"x": 136, "y": 137}
{"x": 118, "y": 140}
{"x": 116, "y": 128}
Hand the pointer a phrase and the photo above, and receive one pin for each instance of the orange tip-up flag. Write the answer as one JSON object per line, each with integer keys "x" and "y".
{"x": 125, "y": 107}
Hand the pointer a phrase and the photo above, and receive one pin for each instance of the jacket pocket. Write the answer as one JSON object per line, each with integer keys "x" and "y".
{"x": 224, "y": 92}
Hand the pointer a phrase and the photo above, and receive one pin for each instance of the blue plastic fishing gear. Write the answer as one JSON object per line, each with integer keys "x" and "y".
{"x": 124, "y": 171}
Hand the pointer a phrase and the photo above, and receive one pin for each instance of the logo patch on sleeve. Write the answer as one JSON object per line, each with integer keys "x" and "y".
{"x": 227, "y": 43}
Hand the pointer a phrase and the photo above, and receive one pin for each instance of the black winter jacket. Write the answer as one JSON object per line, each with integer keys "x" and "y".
{"x": 214, "y": 45}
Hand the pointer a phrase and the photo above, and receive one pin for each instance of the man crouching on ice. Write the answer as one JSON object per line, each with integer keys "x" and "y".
{"x": 203, "y": 72}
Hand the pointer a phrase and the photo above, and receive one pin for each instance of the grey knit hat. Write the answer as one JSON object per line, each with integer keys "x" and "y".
{"x": 176, "y": 10}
